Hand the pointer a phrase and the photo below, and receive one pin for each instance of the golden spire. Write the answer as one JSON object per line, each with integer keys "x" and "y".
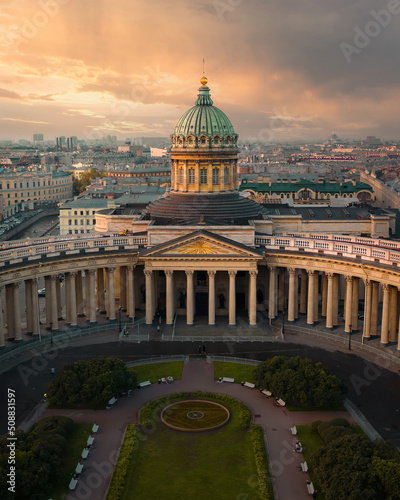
{"x": 203, "y": 79}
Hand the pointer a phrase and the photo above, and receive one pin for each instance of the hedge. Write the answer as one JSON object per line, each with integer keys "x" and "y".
{"x": 257, "y": 439}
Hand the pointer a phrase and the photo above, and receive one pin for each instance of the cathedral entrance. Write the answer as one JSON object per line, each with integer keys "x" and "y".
{"x": 201, "y": 304}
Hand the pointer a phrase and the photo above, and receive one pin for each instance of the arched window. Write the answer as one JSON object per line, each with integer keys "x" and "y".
{"x": 203, "y": 176}
{"x": 191, "y": 175}
{"x": 203, "y": 140}
{"x": 180, "y": 175}
{"x": 226, "y": 175}
{"x": 215, "y": 176}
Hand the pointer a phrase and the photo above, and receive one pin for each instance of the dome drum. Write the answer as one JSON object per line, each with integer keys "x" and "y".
{"x": 203, "y": 142}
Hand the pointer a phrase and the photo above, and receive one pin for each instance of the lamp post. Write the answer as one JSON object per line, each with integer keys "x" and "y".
{"x": 349, "y": 337}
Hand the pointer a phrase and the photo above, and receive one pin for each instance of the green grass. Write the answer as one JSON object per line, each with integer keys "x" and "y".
{"x": 170, "y": 464}
{"x": 178, "y": 415}
{"x": 156, "y": 371}
{"x": 310, "y": 441}
{"x": 241, "y": 373}
{"x": 76, "y": 442}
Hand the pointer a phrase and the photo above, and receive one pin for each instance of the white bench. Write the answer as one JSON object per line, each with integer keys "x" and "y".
{"x": 85, "y": 453}
{"x": 144, "y": 384}
{"x": 112, "y": 401}
{"x": 79, "y": 468}
{"x": 310, "y": 488}
{"x": 72, "y": 484}
{"x": 249, "y": 384}
{"x": 293, "y": 430}
{"x": 95, "y": 428}
{"x": 228, "y": 379}
{"x": 281, "y": 402}
{"x": 304, "y": 466}
{"x": 90, "y": 440}
{"x": 266, "y": 393}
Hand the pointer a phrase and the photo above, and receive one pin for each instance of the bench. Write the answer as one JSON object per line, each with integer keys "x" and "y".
{"x": 304, "y": 466}
{"x": 293, "y": 430}
{"x": 310, "y": 488}
{"x": 144, "y": 384}
{"x": 90, "y": 440}
{"x": 72, "y": 484}
{"x": 249, "y": 384}
{"x": 95, "y": 428}
{"x": 79, "y": 468}
{"x": 266, "y": 393}
{"x": 227, "y": 379}
{"x": 112, "y": 401}
{"x": 281, "y": 402}
{"x": 85, "y": 453}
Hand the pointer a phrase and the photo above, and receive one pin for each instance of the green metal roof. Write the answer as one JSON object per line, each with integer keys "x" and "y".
{"x": 292, "y": 187}
{"x": 204, "y": 118}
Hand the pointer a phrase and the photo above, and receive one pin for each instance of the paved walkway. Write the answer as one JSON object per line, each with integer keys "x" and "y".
{"x": 198, "y": 375}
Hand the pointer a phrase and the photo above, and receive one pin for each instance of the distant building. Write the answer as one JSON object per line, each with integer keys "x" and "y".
{"x": 78, "y": 216}
{"x": 38, "y": 139}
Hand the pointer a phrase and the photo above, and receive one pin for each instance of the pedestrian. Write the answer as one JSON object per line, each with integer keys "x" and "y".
{"x": 314, "y": 495}
{"x": 199, "y": 349}
{"x": 204, "y": 349}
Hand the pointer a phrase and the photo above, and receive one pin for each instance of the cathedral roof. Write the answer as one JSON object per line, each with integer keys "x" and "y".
{"x": 204, "y": 118}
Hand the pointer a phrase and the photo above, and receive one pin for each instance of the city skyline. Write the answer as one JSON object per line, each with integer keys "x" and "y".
{"x": 293, "y": 71}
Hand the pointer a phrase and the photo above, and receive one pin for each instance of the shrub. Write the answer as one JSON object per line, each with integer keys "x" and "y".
{"x": 257, "y": 439}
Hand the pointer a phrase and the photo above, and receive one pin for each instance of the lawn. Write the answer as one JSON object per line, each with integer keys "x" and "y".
{"x": 169, "y": 464}
{"x": 156, "y": 371}
{"x": 241, "y": 373}
{"x": 76, "y": 442}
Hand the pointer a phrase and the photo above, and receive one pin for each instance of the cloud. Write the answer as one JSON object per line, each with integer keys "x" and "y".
{"x": 9, "y": 94}
{"x": 24, "y": 120}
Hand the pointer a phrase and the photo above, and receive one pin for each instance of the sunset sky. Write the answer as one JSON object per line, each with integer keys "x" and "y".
{"x": 130, "y": 68}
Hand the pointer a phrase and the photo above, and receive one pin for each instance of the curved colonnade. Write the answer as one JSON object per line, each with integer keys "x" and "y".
{"x": 300, "y": 274}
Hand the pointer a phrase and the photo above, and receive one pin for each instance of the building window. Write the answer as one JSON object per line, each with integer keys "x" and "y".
{"x": 181, "y": 176}
{"x": 69, "y": 222}
{"x": 8, "y": 185}
{"x": 76, "y": 231}
{"x": 81, "y": 222}
{"x": 81, "y": 212}
{"x": 75, "y": 212}
{"x": 87, "y": 212}
{"x": 191, "y": 175}
{"x": 15, "y": 185}
{"x": 203, "y": 176}
{"x": 226, "y": 175}
{"x": 215, "y": 176}
{"x": 94, "y": 222}
{"x": 76, "y": 222}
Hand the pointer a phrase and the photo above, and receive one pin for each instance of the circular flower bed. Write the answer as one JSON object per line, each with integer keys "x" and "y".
{"x": 195, "y": 415}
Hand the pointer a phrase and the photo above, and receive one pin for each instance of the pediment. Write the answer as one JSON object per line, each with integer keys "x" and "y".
{"x": 201, "y": 244}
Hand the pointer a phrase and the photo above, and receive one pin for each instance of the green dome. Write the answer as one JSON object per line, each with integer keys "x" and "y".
{"x": 204, "y": 119}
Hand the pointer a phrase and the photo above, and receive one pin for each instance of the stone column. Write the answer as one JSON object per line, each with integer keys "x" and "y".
{"x": 385, "y": 315}
{"x": 169, "y": 297}
{"x": 354, "y": 305}
{"x": 90, "y": 276}
{"x": 348, "y": 299}
{"x": 292, "y": 294}
{"x": 2, "y": 329}
{"x": 310, "y": 301}
{"x": 324, "y": 294}
{"x": 10, "y": 312}
{"x": 111, "y": 314}
{"x": 122, "y": 288}
{"x": 28, "y": 304}
{"x": 272, "y": 292}
{"x": 35, "y": 308}
{"x": 79, "y": 294}
{"x": 130, "y": 282}
{"x": 211, "y": 298}
{"x": 149, "y": 296}
{"x": 329, "y": 300}
{"x": 253, "y": 298}
{"x": 316, "y": 290}
{"x": 374, "y": 308}
{"x": 53, "y": 300}
{"x": 281, "y": 290}
{"x": 17, "y": 312}
{"x": 335, "y": 303}
{"x": 73, "y": 320}
{"x": 47, "y": 299}
{"x": 189, "y": 298}
{"x": 303, "y": 292}
{"x": 59, "y": 304}
{"x": 393, "y": 318}
{"x": 367, "y": 309}
{"x": 101, "y": 296}
{"x": 296, "y": 296}
{"x": 232, "y": 298}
